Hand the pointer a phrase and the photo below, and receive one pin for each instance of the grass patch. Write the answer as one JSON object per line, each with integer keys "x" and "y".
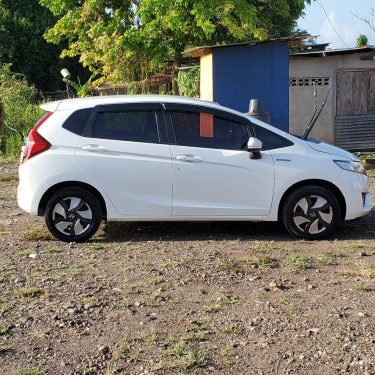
{"x": 38, "y": 233}
{"x": 195, "y": 336}
{"x": 95, "y": 246}
{"x": 371, "y": 175}
{"x": 263, "y": 261}
{"x": 6, "y": 349}
{"x": 362, "y": 288}
{"x": 183, "y": 356}
{"x": 355, "y": 246}
{"x": 348, "y": 273}
{"x": 328, "y": 257}
{"x": 28, "y": 371}
{"x": 4, "y": 330}
{"x": 6, "y": 177}
{"x": 157, "y": 280}
{"x": 232, "y": 329}
{"x": 228, "y": 300}
{"x": 297, "y": 263}
{"x": 229, "y": 265}
{"x": 24, "y": 253}
{"x": 28, "y": 292}
{"x": 211, "y": 309}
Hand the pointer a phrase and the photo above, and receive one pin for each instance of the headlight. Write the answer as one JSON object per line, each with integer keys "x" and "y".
{"x": 350, "y": 165}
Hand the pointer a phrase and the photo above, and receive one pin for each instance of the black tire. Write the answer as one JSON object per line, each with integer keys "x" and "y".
{"x": 73, "y": 215}
{"x": 311, "y": 212}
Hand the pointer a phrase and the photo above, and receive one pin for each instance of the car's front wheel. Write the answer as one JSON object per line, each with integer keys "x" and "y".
{"x": 73, "y": 215}
{"x": 311, "y": 212}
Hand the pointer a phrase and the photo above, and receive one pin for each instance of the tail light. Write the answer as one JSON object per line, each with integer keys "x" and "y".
{"x": 35, "y": 143}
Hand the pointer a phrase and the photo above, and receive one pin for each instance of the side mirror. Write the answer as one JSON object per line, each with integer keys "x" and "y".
{"x": 254, "y": 146}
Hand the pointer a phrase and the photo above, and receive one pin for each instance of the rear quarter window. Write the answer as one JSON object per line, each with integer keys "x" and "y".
{"x": 77, "y": 121}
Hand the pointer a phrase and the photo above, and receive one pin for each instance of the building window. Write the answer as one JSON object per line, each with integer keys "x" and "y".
{"x": 308, "y": 81}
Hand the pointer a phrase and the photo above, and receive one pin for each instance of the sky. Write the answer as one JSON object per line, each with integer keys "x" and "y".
{"x": 340, "y": 14}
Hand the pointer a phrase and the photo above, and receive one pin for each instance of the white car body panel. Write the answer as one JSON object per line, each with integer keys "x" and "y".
{"x": 126, "y": 171}
{"x": 222, "y": 182}
{"x": 145, "y": 181}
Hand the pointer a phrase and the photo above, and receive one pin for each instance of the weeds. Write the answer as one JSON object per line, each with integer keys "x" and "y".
{"x": 233, "y": 329}
{"x": 362, "y": 288}
{"x": 328, "y": 257}
{"x": 297, "y": 263}
{"x": 229, "y": 265}
{"x": 263, "y": 261}
{"x": 6, "y": 177}
{"x": 28, "y": 371}
{"x": 29, "y": 292}
{"x": 6, "y": 349}
{"x": 38, "y": 233}
{"x": 185, "y": 357}
{"x": 4, "y": 330}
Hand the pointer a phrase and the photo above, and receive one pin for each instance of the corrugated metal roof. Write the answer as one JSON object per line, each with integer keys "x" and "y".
{"x": 332, "y": 52}
{"x": 249, "y": 43}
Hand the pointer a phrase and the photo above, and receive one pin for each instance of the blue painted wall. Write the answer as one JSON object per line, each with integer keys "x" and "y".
{"x": 241, "y": 73}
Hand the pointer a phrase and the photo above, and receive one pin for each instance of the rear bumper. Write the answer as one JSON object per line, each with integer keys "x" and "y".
{"x": 30, "y": 189}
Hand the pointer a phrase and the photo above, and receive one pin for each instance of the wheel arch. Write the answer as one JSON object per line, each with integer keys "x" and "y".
{"x": 72, "y": 184}
{"x": 315, "y": 182}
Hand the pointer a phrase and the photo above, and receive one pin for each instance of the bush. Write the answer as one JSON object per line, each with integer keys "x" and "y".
{"x": 188, "y": 82}
{"x": 20, "y": 110}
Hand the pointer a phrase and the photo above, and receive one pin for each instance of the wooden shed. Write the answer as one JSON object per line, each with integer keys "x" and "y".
{"x": 235, "y": 73}
{"x": 348, "y": 120}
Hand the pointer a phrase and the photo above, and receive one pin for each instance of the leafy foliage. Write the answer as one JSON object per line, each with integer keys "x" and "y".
{"x": 362, "y": 41}
{"x": 16, "y": 98}
{"x": 22, "y": 25}
{"x": 82, "y": 90}
{"x": 128, "y": 40}
{"x": 188, "y": 82}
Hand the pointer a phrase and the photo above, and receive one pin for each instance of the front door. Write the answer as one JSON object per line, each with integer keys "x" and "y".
{"x": 213, "y": 174}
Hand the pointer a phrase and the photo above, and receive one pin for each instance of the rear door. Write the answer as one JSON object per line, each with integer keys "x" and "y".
{"x": 125, "y": 150}
{"x": 213, "y": 174}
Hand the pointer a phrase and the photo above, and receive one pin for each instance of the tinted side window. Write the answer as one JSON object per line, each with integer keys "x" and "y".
{"x": 77, "y": 121}
{"x": 209, "y": 131}
{"x": 270, "y": 139}
{"x": 135, "y": 126}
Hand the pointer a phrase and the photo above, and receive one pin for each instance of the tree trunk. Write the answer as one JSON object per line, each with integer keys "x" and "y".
{"x": 176, "y": 63}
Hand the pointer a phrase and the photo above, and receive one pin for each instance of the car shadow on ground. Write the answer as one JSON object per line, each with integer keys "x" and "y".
{"x": 360, "y": 229}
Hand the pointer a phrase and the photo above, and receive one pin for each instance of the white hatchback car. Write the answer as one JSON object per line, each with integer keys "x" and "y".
{"x": 153, "y": 158}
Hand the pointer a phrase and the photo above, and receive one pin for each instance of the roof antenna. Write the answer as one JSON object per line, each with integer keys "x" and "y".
{"x": 316, "y": 113}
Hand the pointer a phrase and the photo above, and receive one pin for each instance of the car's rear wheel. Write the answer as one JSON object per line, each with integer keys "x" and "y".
{"x": 311, "y": 212}
{"x": 73, "y": 215}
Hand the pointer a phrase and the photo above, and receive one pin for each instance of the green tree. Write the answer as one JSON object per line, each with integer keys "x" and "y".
{"x": 362, "y": 41}
{"x": 125, "y": 40}
{"x": 22, "y": 26}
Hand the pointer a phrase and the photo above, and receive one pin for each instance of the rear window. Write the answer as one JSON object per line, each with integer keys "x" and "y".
{"x": 77, "y": 121}
{"x": 134, "y": 126}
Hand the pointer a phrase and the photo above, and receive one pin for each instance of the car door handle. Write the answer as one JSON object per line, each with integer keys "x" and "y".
{"x": 189, "y": 158}
{"x": 94, "y": 148}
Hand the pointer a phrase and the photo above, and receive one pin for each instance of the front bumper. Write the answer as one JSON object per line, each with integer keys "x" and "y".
{"x": 356, "y": 190}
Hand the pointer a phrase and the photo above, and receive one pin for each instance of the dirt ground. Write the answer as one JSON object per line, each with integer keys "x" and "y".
{"x": 184, "y": 298}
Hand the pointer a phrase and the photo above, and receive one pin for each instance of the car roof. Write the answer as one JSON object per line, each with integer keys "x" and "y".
{"x": 90, "y": 102}
{"x": 78, "y": 103}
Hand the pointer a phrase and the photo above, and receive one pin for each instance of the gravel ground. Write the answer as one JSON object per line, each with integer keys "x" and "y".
{"x": 184, "y": 298}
